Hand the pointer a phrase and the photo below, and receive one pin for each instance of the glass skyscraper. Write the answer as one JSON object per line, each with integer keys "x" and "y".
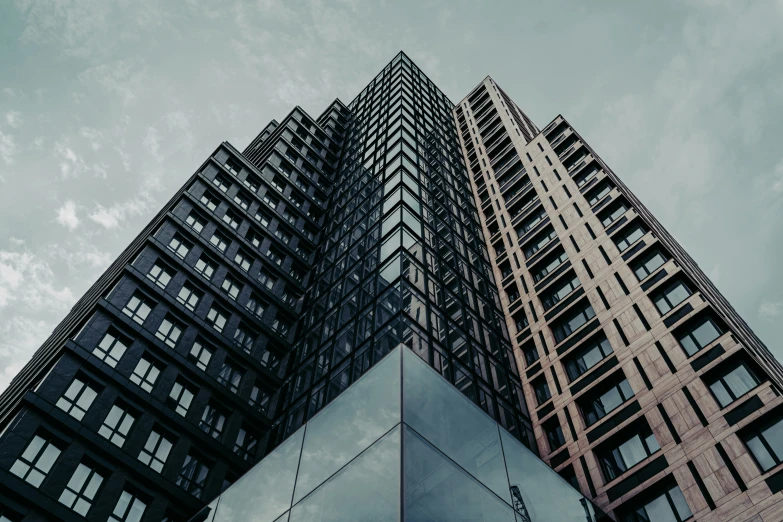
{"x": 388, "y": 312}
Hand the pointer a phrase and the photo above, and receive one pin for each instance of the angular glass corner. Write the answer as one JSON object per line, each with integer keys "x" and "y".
{"x": 401, "y": 443}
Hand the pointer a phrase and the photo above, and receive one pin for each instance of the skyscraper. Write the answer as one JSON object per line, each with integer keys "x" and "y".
{"x": 510, "y": 260}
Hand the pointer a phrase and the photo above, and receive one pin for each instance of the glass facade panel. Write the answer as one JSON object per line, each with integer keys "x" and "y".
{"x": 348, "y": 426}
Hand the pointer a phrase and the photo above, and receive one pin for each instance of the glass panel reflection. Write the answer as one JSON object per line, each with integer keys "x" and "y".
{"x": 436, "y": 490}
{"x": 265, "y": 491}
{"x": 538, "y": 491}
{"x": 458, "y": 428}
{"x": 366, "y": 490}
{"x": 363, "y": 413}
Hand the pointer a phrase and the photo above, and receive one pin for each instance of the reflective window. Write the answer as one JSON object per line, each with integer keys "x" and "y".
{"x": 669, "y": 507}
{"x": 77, "y": 398}
{"x": 116, "y": 425}
{"x": 193, "y": 475}
{"x": 129, "y": 508}
{"x": 699, "y": 334}
{"x": 733, "y": 383}
{"x": 587, "y": 356}
{"x": 111, "y": 348}
{"x": 648, "y": 263}
{"x": 672, "y": 294}
{"x": 138, "y": 307}
{"x": 145, "y": 374}
{"x": 765, "y": 443}
{"x": 36, "y": 460}
{"x": 156, "y": 450}
{"x": 81, "y": 489}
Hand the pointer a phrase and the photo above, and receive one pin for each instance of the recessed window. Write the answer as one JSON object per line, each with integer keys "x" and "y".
{"x": 212, "y": 421}
{"x": 81, "y": 489}
{"x": 231, "y": 219}
{"x": 129, "y": 508}
{"x": 284, "y": 236}
{"x": 195, "y": 222}
{"x": 217, "y": 317}
{"x": 256, "y": 305}
{"x": 230, "y": 287}
{"x": 554, "y": 434}
{"x": 179, "y": 246}
{"x": 555, "y": 293}
{"x": 230, "y": 376}
{"x": 189, "y": 296}
{"x": 112, "y": 347}
{"x": 587, "y": 356}
{"x": 271, "y": 200}
{"x": 206, "y": 267}
{"x": 116, "y": 425}
{"x": 266, "y": 279}
{"x": 37, "y": 459}
{"x": 221, "y": 182}
{"x": 671, "y": 294}
{"x": 275, "y": 256}
{"x": 243, "y": 260}
{"x": 77, "y": 398}
{"x": 259, "y": 399}
{"x": 278, "y": 183}
{"x": 765, "y": 442}
{"x": 160, "y": 274}
{"x": 138, "y": 307}
{"x": 698, "y": 334}
{"x": 200, "y": 354}
{"x": 648, "y": 263}
{"x": 549, "y": 264}
{"x": 252, "y": 183}
{"x": 242, "y": 200}
{"x": 541, "y": 390}
{"x": 233, "y": 166}
{"x": 669, "y": 506}
{"x": 193, "y": 475}
{"x": 180, "y": 398}
{"x": 597, "y": 194}
{"x": 281, "y": 326}
{"x": 246, "y": 444}
{"x": 539, "y": 242}
{"x": 621, "y": 453}
{"x": 530, "y": 352}
{"x": 629, "y": 235}
{"x": 263, "y": 218}
{"x": 155, "y": 451}
{"x": 614, "y": 211}
{"x": 244, "y": 338}
{"x": 145, "y": 374}
{"x": 572, "y": 320}
{"x": 169, "y": 331}
{"x": 603, "y": 400}
{"x": 732, "y": 382}
{"x": 219, "y": 241}
{"x": 210, "y": 201}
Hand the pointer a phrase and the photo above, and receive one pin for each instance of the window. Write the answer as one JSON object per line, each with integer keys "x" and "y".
{"x": 668, "y": 507}
{"x": 221, "y": 182}
{"x": 200, "y": 354}
{"x": 270, "y": 200}
{"x": 670, "y": 295}
{"x": 278, "y": 183}
{"x": 603, "y": 400}
{"x": 116, "y": 425}
{"x": 160, "y": 274}
{"x": 230, "y": 287}
{"x": 193, "y": 476}
{"x": 572, "y": 320}
{"x": 81, "y": 489}
{"x": 254, "y": 238}
{"x": 732, "y": 382}
{"x": 230, "y": 376}
{"x": 246, "y": 444}
{"x": 77, "y": 398}
{"x": 586, "y": 176}
{"x": 138, "y": 307}
{"x": 586, "y": 357}
{"x": 243, "y": 260}
{"x": 559, "y": 290}
{"x": 233, "y": 166}
{"x": 256, "y": 305}
{"x": 180, "y": 398}
{"x": 217, "y": 317}
{"x": 534, "y": 219}
{"x": 539, "y": 242}
{"x": 195, "y": 222}
{"x": 541, "y": 389}
{"x": 765, "y": 442}
{"x": 179, "y": 246}
{"x": 289, "y": 216}
{"x": 263, "y": 218}
{"x": 548, "y": 265}
{"x": 628, "y": 236}
{"x": 189, "y": 296}
{"x": 231, "y": 219}
{"x": 648, "y": 263}
{"x": 284, "y": 236}
{"x": 598, "y": 193}
{"x": 206, "y": 267}
{"x": 554, "y": 434}
{"x": 281, "y": 326}
{"x": 36, "y": 460}
{"x": 219, "y": 241}
{"x": 698, "y": 334}
{"x": 155, "y": 451}
{"x": 111, "y": 348}
{"x": 615, "y": 211}
{"x": 244, "y": 338}
{"x": 251, "y": 182}
{"x": 275, "y": 256}
{"x": 259, "y": 399}
{"x": 129, "y": 508}
{"x": 622, "y": 453}
{"x": 530, "y": 352}
{"x": 145, "y": 374}
{"x": 210, "y": 201}
{"x": 212, "y": 421}
{"x": 266, "y": 279}
{"x": 169, "y": 331}
{"x": 242, "y": 200}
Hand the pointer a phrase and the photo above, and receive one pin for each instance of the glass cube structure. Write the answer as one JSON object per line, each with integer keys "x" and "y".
{"x": 401, "y": 443}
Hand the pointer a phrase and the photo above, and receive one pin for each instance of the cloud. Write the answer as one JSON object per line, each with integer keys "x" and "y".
{"x": 152, "y": 142}
{"x": 114, "y": 215}
{"x": 27, "y": 282}
{"x": 777, "y": 184}
{"x": 71, "y": 164}
{"x": 123, "y": 78}
{"x": 66, "y": 215}
{"x": 19, "y": 338}
{"x": 8, "y": 148}
{"x": 769, "y": 310}
{"x": 13, "y": 119}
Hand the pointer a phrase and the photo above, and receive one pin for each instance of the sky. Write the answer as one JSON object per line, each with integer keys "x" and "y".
{"x": 107, "y": 107}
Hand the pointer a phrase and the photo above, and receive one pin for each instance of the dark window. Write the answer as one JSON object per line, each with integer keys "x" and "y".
{"x": 587, "y": 356}
{"x": 193, "y": 475}
{"x": 534, "y": 219}
{"x": 765, "y": 442}
{"x": 572, "y": 320}
{"x": 243, "y": 260}
{"x": 670, "y": 506}
{"x": 129, "y": 508}
{"x": 231, "y": 219}
{"x": 629, "y": 235}
{"x": 244, "y": 338}
{"x": 217, "y": 317}
{"x": 246, "y": 444}
{"x": 221, "y": 182}
{"x": 179, "y": 398}
{"x": 732, "y": 382}
{"x": 548, "y": 265}
{"x": 242, "y": 200}
{"x": 648, "y": 263}
{"x": 230, "y": 376}
{"x": 77, "y": 399}
{"x": 117, "y": 424}
{"x": 604, "y": 399}
{"x": 210, "y": 201}
{"x": 541, "y": 389}
{"x": 539, "y": 242}
{"x": 200, "y": 354}
{"x": 597, "y": 194}
{"x": 36, "y": 460}
{"x": 256, "y": 305}
{"x": 559, "y": 290}
{"x": 623, "y": 452}
{"x": 212, "y": 421}
{"x": 614, "y": 211}
{"x": 554, "y": 434}
{"x": 81, "y": 489}
{"x": 698, "y": 334}
{"x": 669, "y": 295}
{"x": 530, "y": 352}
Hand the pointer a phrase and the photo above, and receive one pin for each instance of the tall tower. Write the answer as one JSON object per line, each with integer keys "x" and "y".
{"x": 645, "y": 386}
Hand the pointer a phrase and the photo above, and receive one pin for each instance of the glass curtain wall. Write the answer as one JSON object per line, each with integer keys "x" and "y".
{"x": 403, "y": 261}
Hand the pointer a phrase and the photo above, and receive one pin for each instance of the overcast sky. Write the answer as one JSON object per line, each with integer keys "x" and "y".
{"x": 107, "y": 107}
